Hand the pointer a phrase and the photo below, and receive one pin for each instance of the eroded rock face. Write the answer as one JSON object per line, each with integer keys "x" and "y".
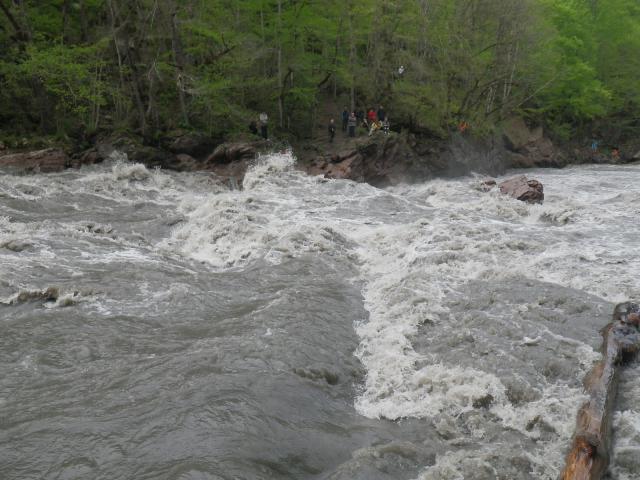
{"x": 523, "y": 189}
{"x": 528, "y": 147}
{"x": 380, "y": 161}
{"x": 48, "y": 160}
{"x": 232, "y": 152}
{"x": 194, "y": 144}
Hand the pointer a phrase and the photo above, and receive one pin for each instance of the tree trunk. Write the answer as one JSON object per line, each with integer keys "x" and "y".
{"x": 588, "y": 458}
{"x": 280, "y": 79}
{"x": 21, "y": 33}
{"x": 178, "y": 58}
{"x": 352, "y": 55}
{"x": 65, "y": 19}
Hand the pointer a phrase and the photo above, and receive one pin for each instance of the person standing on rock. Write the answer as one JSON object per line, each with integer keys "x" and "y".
{"x": 332, "y": 130}
{"x": 360, "y": 118}
{"x": 381, "y": 114}
{"x": 352, "y": 122}
{"x": 371, "y": 116}
{"x": 264, "y": 120}
{"x": 386, "y": 126}
{"x": 615, "y": 154}
{"x": 345, "y": 119}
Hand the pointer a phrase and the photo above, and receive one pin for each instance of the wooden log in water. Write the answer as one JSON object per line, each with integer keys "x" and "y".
{"x": 588, "y": 458}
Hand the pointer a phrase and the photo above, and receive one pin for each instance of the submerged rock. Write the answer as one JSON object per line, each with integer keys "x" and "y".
{"x": 523, "y": 189}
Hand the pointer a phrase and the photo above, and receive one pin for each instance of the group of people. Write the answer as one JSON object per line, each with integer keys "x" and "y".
{"x": 373, "y": 120}
{"x": 262, "y": 122}
{"x": 614, "y": 151}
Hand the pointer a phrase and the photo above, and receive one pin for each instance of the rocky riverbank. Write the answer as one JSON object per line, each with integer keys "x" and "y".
{"x": 379, "y": 159}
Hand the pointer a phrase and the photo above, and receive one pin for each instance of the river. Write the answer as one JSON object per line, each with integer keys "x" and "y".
{"x": 154, "y": 325}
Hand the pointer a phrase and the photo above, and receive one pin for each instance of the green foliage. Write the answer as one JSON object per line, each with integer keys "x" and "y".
{"x": 215, "y": 64}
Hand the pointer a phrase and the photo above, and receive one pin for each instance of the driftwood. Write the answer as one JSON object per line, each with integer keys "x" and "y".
{"x": 588, "y": 458}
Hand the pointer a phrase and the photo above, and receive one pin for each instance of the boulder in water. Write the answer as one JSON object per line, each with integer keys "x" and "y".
{"x": 48, "y": 160}
{"x": 488, "y": 184}
{"x": 523, "y": 189}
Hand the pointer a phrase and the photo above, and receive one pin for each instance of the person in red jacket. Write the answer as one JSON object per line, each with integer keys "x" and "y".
{"x": 372, "y": 116}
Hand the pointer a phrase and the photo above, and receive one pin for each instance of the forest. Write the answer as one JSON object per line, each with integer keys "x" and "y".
{"x": 75, "y": 67}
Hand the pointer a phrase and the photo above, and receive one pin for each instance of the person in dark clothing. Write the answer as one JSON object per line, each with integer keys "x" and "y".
{"x": 253, "y": 127}
{"x": 332, "y": 130}
{"x": 264, "y": 120}
{"x": 381, "y": 113}
{"x": 352, "y": 122}
{"x": 360, "y": 117}
{"x": 345, "y": 119}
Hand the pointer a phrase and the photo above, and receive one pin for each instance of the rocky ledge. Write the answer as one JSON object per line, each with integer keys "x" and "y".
{"x": 45, "y": 161}
{"x": 380, "y": 160}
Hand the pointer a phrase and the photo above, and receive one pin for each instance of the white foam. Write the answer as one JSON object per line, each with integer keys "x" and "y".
{"x": 441, "y": 235}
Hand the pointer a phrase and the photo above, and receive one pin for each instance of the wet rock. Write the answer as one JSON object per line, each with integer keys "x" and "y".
{"x": 317, "y": 374}
{"x": 16, "y": 245}
{"x": 634, "y": 319}
{"x": 523, "y": 189}
{"x": 193, "y": 144}
{"x": 186, "y": 162}
{"x": 49, "y": 295}
{"x": 483, "y": 402}
{"x": 539, "y": 423}
{"x": 91, "y": 156}
{"x": 232, "y": 152}
{"x": 379, "y": 160}
{"x": 488, "y": 185}
{"x": 48, "y": 160}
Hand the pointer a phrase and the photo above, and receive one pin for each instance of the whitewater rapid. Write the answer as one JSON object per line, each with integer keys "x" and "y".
{"x": 479, "y": 314}
{"x": 424, "y": 243}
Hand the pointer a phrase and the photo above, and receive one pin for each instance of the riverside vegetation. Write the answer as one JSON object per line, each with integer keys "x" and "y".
{"x": 70, "y": 69}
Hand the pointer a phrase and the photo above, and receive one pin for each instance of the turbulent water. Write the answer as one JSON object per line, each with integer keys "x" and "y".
{"x": 155, "y": 325}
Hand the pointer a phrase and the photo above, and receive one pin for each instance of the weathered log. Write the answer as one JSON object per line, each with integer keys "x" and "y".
{"x": 588, "y": 458}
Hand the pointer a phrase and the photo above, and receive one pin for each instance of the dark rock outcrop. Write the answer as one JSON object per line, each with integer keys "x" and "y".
{"x": 528, "y": 147}
{"x": 48, "y": 160}
{"x": 523, "y": 189}
{"x": 228, "y": 160}
{"x": 195, "y": 144}
{"x": 232, "y": 152}
{"x": 138, "y": 152}
{"x": 379, "y": 160}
